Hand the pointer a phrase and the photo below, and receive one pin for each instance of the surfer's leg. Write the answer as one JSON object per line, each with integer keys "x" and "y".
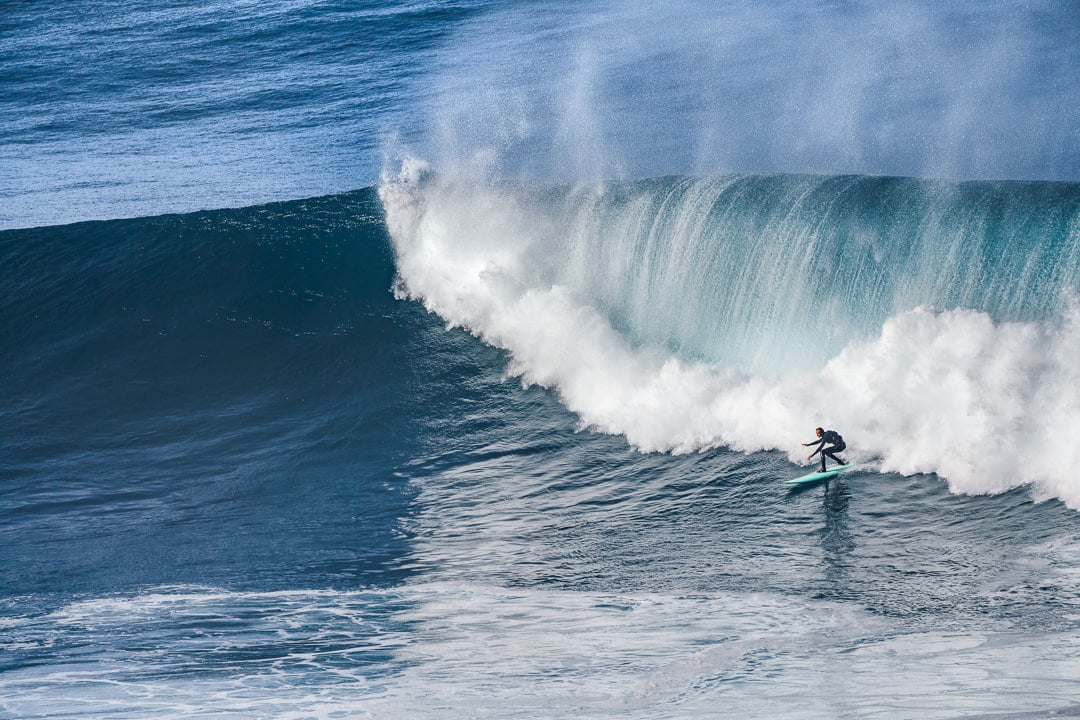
{"x": 831, "y": 452}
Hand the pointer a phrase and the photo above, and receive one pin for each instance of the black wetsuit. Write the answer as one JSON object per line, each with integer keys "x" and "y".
{"x": 835, "y": 444}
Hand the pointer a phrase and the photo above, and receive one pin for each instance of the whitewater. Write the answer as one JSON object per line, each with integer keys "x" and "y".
{"x": 738, "y": 312}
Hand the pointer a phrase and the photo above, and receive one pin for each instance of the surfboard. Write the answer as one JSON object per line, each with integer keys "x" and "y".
{"x": 814, "y": 477}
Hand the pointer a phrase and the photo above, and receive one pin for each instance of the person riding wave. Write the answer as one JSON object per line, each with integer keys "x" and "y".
{"x": 834, "y": 443}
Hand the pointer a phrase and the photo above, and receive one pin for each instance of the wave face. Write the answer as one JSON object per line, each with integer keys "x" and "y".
{"x": 933, "y": 323}
{"x": 173, "y": 383}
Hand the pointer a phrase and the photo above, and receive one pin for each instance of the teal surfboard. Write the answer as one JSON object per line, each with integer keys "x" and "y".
{"x": 814, "y": 477}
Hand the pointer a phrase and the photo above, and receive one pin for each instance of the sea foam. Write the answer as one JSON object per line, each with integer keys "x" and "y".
{"x": 986, "y": 404}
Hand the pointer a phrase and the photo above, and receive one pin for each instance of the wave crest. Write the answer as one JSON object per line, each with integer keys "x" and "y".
{"x": 980, "y": 401}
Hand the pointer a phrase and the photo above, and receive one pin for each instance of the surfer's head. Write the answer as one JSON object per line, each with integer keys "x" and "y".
{"x": 819, "y": 431}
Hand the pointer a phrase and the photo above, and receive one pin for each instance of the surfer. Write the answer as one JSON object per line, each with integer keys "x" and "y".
{"x": 835, "y": 444}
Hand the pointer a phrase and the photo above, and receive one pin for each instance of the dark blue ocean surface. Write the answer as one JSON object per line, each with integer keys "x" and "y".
{"x": 496, "y": 422}
{"x": 112, "y": 109}
{"x": 170, "y": 371}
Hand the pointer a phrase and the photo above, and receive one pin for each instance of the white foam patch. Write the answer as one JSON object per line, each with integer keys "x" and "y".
{"x": 451, "y": 650}
{"x": 987, "y": 406}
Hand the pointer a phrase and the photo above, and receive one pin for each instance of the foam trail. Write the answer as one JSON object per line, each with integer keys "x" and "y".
{"x": 983, "y": 403}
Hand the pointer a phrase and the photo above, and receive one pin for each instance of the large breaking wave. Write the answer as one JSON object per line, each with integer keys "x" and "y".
{"x": 934, "y": 324}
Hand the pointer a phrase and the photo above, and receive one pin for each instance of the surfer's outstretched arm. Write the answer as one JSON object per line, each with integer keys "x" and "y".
{"x": 820, "y": 442}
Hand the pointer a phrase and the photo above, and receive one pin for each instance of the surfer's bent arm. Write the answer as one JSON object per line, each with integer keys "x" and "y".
{"x": 820, "y": 442}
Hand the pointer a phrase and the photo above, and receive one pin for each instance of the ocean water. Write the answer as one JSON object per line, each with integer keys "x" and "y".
{"x": 442, "y": 360}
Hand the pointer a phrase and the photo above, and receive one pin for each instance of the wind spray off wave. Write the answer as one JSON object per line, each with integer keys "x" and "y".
{"x": 687, "y": 314}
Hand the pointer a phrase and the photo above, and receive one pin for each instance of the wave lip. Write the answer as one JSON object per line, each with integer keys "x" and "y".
{"x": 951, "y": 344}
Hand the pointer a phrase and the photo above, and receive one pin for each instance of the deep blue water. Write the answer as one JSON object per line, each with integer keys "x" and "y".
{"x": 495, "y": 423}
